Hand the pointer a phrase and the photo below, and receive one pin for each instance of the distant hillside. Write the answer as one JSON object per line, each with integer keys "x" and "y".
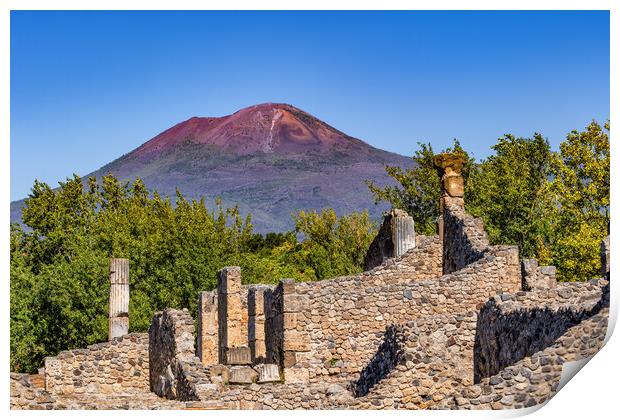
{"x": 270, "y": 159}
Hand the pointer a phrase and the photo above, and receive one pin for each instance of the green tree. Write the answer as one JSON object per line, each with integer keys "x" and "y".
{"x": 508, "y": 190}
{"x": 580, "y": 189}
{"x": 333, "y": 246}
{"x": 418, "y": 188}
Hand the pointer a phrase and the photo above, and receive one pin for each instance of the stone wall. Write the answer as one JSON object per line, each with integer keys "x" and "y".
{"x": 537, "y": 277}
{"x": 436, "y": 354}
{"x": 175, "y": 371}
{"x": 344, "y": 319}
{"x": 465, "y": 240}
{"x": 514, "y": 326}
{"x": 395, "y": 237}
{"x": 116, "y": 366}
{"x": 534, "y": 379}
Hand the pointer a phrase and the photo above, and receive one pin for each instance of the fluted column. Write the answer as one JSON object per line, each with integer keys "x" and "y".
{"x": 118, "y": 322}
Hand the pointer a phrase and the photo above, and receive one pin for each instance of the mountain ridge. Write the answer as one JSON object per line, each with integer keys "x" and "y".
{"x": 270, "y": 159}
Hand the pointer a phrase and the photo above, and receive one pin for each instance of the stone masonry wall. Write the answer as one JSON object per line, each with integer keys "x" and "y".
{"x": 344, "y": 319}
{"x": 465, "y": 240}
{"x": 175, "y": 372}
{"x": 116, "y": 366}
{"x": 435, "y": 359}
{"x": 534, "y": 379}
{"x": 537, "y": 277}
{"x": 514, "y": 326}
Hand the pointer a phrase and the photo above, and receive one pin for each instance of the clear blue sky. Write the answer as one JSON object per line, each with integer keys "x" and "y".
{"x": 87, "y": 87}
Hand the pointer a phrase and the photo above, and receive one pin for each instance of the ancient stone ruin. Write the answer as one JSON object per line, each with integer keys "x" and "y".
{"x": 440, "y": 322}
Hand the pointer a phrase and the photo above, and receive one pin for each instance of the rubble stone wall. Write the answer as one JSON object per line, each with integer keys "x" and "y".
{"x": 465, "y": 240}
{"x": 534, "y": 379}
{"x": 435, "y": 358}
{"x": 344, "y": 319}
{"x": 115, "y": 366}
{"x": 514, "y": 326}
{"x": 175, "y": 371}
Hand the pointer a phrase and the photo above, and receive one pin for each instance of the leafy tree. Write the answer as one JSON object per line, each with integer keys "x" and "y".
{"x": 508, "y": 190}
{"x": 580, "y": 189}
{"x": 418, "y": 188}
{"x": 59, "y": 268}
{"x": 334, "y": 246}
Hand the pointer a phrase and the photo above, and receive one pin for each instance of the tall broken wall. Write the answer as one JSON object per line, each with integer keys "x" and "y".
{"x": 174, "y": 370}
{"x": 465, "y": 240}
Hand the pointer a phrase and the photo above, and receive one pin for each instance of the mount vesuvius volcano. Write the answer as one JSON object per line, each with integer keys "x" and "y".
{"x": 270, "y": 159}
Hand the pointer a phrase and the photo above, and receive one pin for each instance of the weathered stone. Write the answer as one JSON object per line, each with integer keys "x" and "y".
{"x": 267, "y": 373}
{"x": 238, "y": 356}
{"x": 242, "y": 375}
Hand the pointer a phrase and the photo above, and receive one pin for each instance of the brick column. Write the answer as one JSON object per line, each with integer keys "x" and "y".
{"x": 229, "y": 311}
{"x": 208, "y": 352}
{"x": 118, "y": 321}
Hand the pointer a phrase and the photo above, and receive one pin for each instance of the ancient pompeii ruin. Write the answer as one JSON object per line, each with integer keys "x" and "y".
{"x": 441, "y": 322}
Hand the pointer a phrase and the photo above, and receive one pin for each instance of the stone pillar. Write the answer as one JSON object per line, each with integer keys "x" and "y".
{"x": 449, "y": 166}
{"x": 256, "y": 323}
{"x": 295, "y": 343}
{"x": 208, "y": 352}
{"x": 118, "y": 322}
{"x": 229, "y": 311}
{"x": 605, "y": 258}
{"x": 403, "y": 232}
{"x": 395, "y": 237}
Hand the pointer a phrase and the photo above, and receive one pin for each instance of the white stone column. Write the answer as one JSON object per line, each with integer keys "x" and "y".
{"x": 118, "y": 323}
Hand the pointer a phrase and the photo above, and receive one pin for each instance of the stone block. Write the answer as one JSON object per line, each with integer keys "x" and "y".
{"x": 238, "y": 356}
{"x": 290, "y": 359}
{"x": 296, "y": 341}
{"x": 219, "y": 374}
{"x": 290, "y": 320}
{"x": 242, "y": 375}
{"x": 267, "y": 373}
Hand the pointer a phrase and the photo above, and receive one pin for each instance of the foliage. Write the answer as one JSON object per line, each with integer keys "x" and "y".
{"x": 418, "y": 188}
{"x": 580, "y": 190}
{"x": 508, "y": 190}
{"x": 553, "y": 205}
{"x": 59, "y": 268}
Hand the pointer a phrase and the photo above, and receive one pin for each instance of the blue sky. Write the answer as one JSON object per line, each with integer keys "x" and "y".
{"x": 87, "y": 87}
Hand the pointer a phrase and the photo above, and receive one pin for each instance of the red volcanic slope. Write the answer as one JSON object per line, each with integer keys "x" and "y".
{"x": 269, "y": 127}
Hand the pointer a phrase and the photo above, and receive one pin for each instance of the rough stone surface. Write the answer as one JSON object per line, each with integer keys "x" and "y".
{"x": 536, "y": 277}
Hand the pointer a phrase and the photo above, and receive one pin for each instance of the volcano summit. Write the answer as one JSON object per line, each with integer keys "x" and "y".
{"x": 269, "y": 159}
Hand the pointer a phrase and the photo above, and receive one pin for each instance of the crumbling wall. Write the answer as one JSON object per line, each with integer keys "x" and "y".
{"x": 343, "y": 319}
{"x": 395, "y": 237}
{"x": 175, "y": 371}
{"x": 514, "y": 326}
{"x": 534, "y": 379}
{"x": 435, "y": 355}
{"x": 537, "y": 277}
{"x": 465, "y": 240}
{"x": 112, "y": 367}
